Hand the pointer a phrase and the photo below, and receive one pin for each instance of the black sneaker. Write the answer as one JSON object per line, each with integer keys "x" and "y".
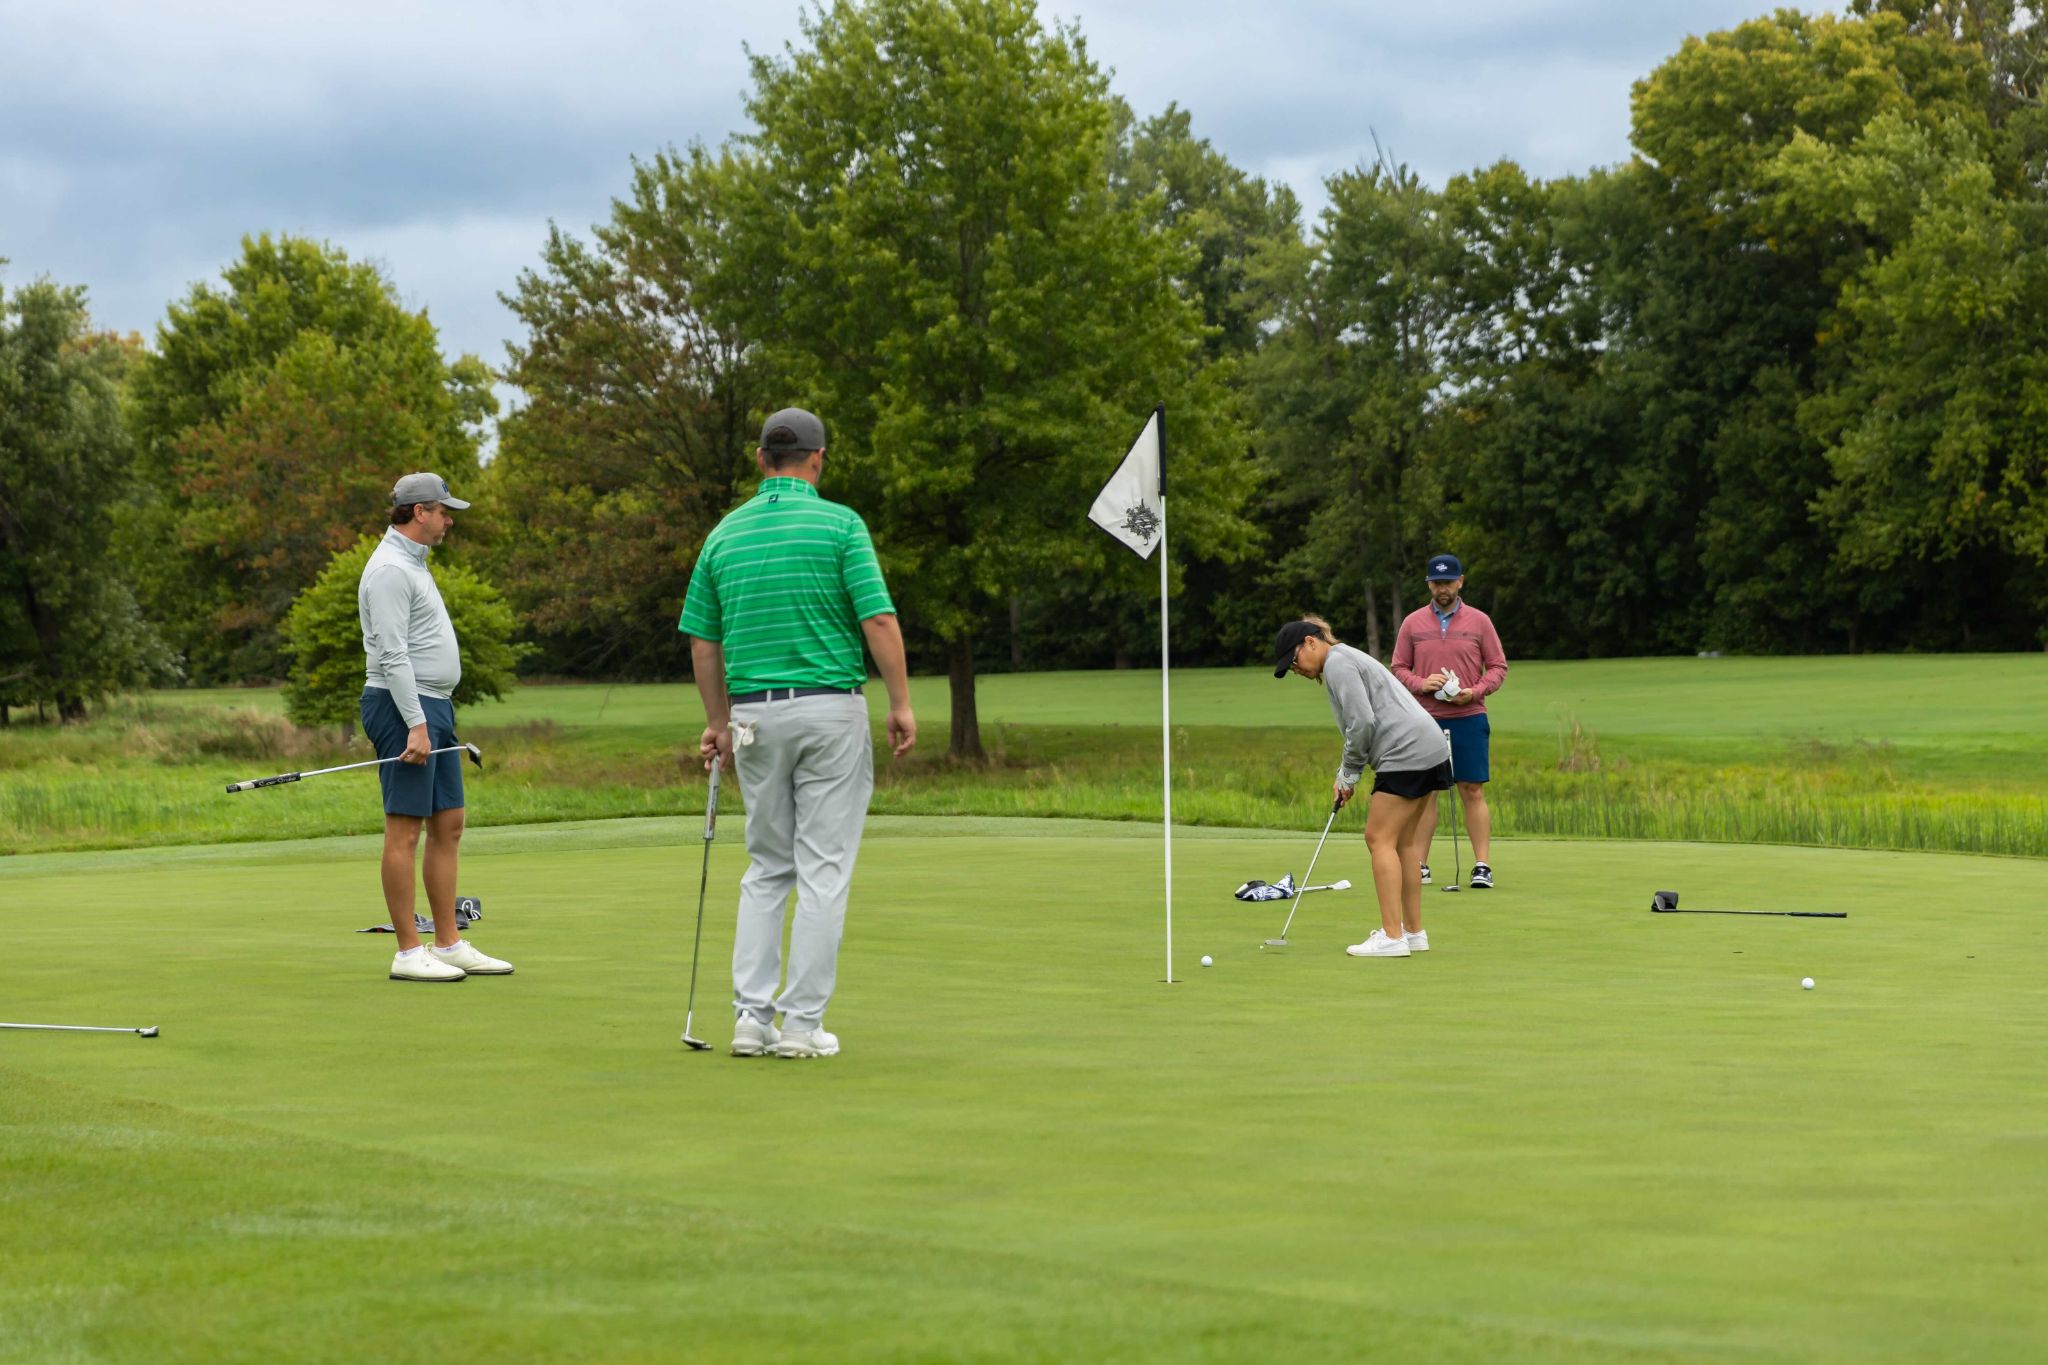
{"x": 1425, "y": 874}
{"x": 1482, "y": 877}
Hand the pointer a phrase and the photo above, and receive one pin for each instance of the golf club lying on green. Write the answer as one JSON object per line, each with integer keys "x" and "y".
{"x": 1666, "y": 903}
{"x": 476, "y": 756}
{"x": 149, "y": 1032}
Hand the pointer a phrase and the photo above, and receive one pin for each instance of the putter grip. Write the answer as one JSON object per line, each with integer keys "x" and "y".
{"x": 263, "y": 782}
{"x": 711, "y": 801}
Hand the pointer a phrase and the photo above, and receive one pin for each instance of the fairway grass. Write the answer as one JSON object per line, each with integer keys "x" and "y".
{"x": 1573, "y": 1131}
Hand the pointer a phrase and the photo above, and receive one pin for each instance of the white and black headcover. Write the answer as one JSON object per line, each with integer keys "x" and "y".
{"x": 1267, "y": 891}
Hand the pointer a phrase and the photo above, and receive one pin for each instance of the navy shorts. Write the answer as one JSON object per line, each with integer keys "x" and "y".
{"x": 1469, "y": 736}
{"x": 417, "y": 789}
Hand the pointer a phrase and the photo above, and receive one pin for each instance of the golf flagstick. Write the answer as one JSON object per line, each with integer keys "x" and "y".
{"x": 690, "y": 1040}
{"x": 476, "y": 756}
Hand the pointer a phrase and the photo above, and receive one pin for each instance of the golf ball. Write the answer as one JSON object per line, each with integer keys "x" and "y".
{"x": 1806, "y": 982}
{"x": 1208, "y": 961}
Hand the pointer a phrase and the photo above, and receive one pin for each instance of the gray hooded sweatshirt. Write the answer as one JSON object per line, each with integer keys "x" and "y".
{"x": 1384, "y": 727}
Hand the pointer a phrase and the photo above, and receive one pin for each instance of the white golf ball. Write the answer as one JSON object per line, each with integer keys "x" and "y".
{"x": 1208, "y": 961}
{"x": 1806, "y": 982}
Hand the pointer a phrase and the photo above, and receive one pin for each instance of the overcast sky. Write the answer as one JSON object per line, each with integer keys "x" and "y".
{"x": 140, "y": 141}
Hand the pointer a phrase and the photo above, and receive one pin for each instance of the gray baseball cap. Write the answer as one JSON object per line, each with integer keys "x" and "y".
{"x": 792, "y": 429}
{"x": 425, "y": 488}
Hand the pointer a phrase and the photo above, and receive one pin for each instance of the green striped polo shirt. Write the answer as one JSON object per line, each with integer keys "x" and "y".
{"x": 783, "y": 583}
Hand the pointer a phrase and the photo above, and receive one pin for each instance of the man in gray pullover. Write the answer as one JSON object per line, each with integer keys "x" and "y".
{"x": 1387, "y": 730}
{"x": 412, "y": 666}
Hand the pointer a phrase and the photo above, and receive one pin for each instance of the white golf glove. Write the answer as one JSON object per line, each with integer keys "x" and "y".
{"x": 1451, "y": 688}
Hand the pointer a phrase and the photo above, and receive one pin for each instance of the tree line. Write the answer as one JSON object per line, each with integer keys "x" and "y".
{"x": 1770, "y": 385}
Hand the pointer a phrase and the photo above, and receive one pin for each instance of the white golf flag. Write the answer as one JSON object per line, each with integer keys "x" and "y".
{"x": 1129, "y": 506}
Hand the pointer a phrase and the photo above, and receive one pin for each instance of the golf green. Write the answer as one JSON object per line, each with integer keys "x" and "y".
{"x": 1571, "y": 1131}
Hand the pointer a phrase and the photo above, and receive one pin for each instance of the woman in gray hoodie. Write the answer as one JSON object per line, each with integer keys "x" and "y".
{"x": 1387, "y": 730}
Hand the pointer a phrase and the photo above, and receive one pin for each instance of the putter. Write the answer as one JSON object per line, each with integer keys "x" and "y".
{"x": 149, "y": 1032}
{"x": 1666, "y": 903}
{"x": 476, "y": 756}
{"x": 1281, "y": 942}
{"x": 690, "y": 1040}
{"x": 1457, "y": 858}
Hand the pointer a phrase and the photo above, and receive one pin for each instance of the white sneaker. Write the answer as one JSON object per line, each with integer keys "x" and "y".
{"x": 1377, "y": 944}
{"x": 809, "y": 1042}
{"x": 750, "y": 1039}
{"x": 1418, "y": 942}
{"x": 1425, "y": 874}
{"x": 465, "y": 956}
{"x": 423, "y": 967}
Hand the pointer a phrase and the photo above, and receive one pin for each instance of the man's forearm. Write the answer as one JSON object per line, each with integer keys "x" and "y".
{"x": 707, "y": 661}
{"x": 885, "y": 642}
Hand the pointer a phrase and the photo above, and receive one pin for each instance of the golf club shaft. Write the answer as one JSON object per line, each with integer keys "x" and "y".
{"x": 282, "y": 778}
{"x": 1457, "y": 857}
{"x": 78, "y": 1028}
{"x": 1309, "y": 876}
{"x": 703, "y": 886}
{"x": 1795, "y": 914}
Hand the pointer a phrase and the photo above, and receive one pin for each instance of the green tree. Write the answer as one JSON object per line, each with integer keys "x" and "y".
{"x": 1346, "y": 390}
{"x": 1931, "y": 422}
{"x": 1726, "y": 302}
{"x": 938, "y": 263}
{"x": 323, "y": 632}
{"x": 272, "y": 418}
{"x": 635, "y": 433}
{"x": 69, "y": 628}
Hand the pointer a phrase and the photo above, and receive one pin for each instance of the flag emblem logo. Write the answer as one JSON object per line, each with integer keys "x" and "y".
{"x": 1141, "y": 521}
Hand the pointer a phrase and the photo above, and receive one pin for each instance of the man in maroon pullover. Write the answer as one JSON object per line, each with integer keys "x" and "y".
{"x": 1446, "y": 640}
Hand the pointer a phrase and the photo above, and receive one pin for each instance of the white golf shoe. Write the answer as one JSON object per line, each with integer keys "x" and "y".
{"x": 1377, "y": 944}
{"x": 1418, "y": 942}
{"x": 1425, "y": 874}
{"x": 750, "y": 1039}
{"x": 810, "y": 1042}
{"x": 465, "y": 956}
{"x": 423, "y": 966}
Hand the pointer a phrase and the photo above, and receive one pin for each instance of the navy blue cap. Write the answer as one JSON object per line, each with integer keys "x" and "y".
{"x": 1445, "y": 569}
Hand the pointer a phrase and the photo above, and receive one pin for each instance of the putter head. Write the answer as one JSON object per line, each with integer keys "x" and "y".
{"x": 476, "y": 756}
{"x": 1663, "y": 902}
{"x": 695, "y": 1044}
{"x": 1274, "y": 943}
{"x": 1454, "y": 887}
{"x": 149, "y": 1032}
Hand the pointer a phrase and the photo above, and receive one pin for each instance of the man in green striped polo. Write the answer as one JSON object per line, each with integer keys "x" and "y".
{"x": 785, "y": 590}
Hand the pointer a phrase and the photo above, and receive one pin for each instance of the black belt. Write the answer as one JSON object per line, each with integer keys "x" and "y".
{"x": 791, "y": 694}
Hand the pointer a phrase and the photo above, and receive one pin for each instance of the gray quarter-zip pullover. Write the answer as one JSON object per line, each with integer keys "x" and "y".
{"x": 1384, "y": 727}
{"x": 408, "y": 641}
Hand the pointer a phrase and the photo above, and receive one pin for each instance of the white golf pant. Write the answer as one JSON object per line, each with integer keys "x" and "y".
{"x": 807, "y": 776}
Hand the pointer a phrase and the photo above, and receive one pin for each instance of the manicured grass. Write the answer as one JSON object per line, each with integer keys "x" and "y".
{"x": 1574, "y": 1131}
{"x": 1916, "y": 753}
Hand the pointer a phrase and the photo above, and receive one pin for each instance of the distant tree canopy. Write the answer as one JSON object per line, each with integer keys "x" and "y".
{"x": 271, "y": 419}
{"x": 69, "y": 628}
{"x": 1774, "y": 384}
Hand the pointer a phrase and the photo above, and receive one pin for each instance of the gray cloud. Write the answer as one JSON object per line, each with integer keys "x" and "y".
{"x": 139, "y": 141}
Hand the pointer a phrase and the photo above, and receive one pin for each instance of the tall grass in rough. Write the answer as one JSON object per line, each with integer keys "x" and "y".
{"x": 148, "y": 773}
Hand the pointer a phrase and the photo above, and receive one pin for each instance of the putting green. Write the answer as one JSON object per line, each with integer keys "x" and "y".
{"x": 1572, "y": 1131}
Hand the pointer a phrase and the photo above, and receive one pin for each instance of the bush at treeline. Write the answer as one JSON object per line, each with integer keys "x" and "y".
{"x": 1775, "y": 384}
